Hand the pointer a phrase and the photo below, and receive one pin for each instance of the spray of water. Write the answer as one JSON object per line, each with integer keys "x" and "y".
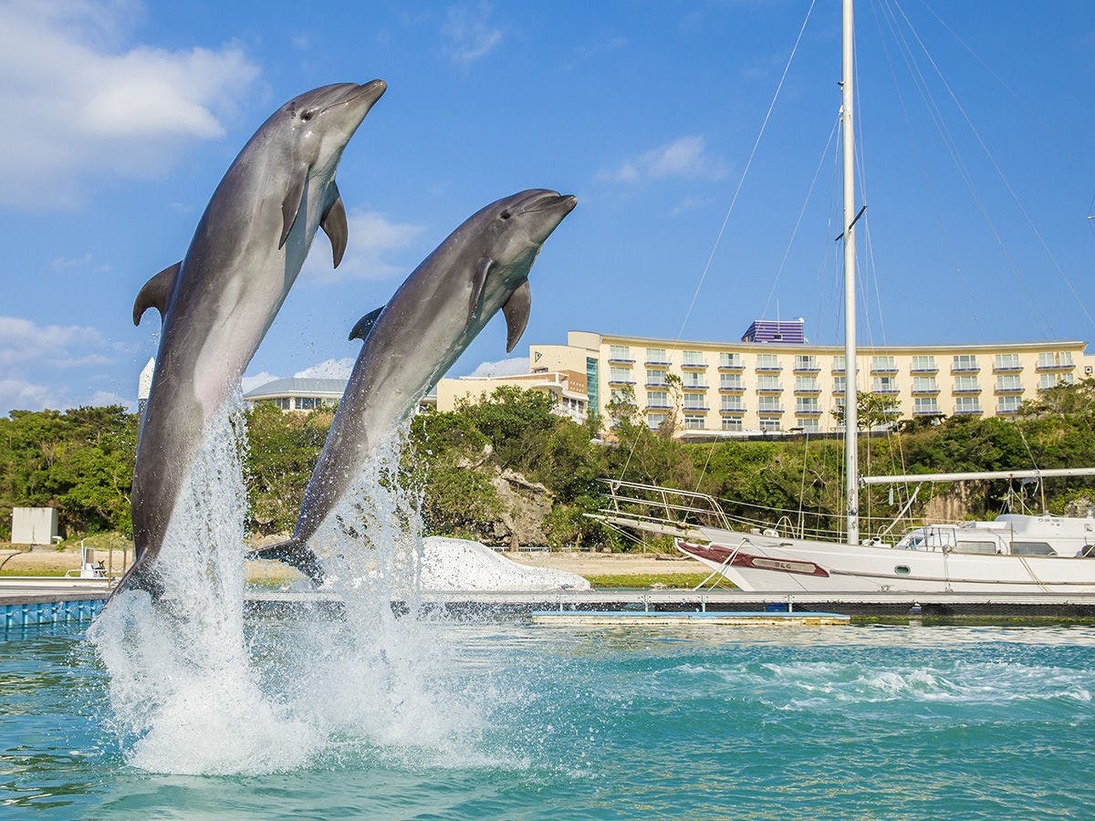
{"x": 196, "y": 686}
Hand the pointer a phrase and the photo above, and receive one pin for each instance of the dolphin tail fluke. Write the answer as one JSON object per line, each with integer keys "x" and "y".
{"x": 296, "y": 553}
{"x": 139, "y": 578}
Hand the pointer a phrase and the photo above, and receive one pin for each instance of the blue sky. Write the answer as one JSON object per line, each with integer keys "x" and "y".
{"x": 976, "y": 125}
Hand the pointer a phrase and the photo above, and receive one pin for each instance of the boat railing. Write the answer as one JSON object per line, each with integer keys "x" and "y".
{"x": 654, "y": 508}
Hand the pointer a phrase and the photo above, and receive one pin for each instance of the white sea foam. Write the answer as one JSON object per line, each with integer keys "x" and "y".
{"x": 192, "y": 691}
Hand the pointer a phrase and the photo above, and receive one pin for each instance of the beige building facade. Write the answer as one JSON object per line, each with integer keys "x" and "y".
{"x": 567, "y": 386}
{"x": 748, "y": 387}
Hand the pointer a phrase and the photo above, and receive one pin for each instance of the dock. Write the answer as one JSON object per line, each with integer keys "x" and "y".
{"x": 26, "y": 601}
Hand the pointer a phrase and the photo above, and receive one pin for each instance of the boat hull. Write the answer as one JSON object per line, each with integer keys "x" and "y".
{"x": 758, "y": 563}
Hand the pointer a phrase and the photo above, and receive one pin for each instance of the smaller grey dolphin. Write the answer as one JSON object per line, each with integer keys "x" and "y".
{"x": 219, "y": 301}
{"x": 480, "y": 269}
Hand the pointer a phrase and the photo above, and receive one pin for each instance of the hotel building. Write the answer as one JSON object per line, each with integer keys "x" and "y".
{"x": 774, "y": 381}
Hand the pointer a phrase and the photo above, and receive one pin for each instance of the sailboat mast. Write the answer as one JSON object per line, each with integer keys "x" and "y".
{"x": 851, "y": 421}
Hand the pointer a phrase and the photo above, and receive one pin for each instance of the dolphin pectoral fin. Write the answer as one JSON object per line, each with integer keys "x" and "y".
{"x": 291, "y": 204}
{"x": 516, "y": 311}
{"x": 139, "y": 577}
{"x": 478, "y": 281}
{"x": 156, "y": 293}
{"x": 365, "y": 324}
{"x": 295, "y": 553}
{"x": 335, "y": 227}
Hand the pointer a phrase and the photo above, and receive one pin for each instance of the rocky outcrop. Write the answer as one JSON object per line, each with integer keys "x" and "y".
{"x": 525, "y": 506}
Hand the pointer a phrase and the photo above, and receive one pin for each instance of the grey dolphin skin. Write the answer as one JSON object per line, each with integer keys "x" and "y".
{"x": 218, "y": 303}
{"x": 481, "y": 268}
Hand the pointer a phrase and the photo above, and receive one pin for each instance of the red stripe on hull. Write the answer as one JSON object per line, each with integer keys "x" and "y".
{"x": 720, "y": 555}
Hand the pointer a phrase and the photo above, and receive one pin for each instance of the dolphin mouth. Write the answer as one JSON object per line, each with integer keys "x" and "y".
{"x": 365, "y": 94}
{"x": 549, "y": 201}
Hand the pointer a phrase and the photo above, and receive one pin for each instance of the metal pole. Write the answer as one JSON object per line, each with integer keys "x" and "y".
{"x": 851, "y": 420}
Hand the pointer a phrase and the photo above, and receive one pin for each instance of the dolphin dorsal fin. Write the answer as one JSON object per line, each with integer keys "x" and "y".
{"x": 516, "y": 311}
{"x": 156, "y": 293}
{"x": 291, "y": 204}
{"x": 335, "y": 227}
{"x": 365, "y": 324}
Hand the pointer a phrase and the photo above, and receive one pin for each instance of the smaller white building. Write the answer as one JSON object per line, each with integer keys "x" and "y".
{"x": 33, "y": 525}
{"x": 299, "y": 394}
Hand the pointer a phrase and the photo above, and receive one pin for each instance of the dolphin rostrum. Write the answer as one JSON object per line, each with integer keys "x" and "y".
{"x": 219, "y": 301}
{"x": 481, "y": 268}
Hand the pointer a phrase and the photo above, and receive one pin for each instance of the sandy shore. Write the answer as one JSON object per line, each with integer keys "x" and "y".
{"x": 50, "y": 562}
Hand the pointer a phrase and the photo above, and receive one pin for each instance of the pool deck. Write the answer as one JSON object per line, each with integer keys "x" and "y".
{"x": 48, "y": 600}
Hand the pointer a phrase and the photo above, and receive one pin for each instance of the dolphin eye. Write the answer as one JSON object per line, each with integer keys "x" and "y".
{"x": 307, "y": 115}
{"x": 505, "y": 215}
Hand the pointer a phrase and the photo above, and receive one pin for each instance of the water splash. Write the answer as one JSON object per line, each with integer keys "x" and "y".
{"x": 197, "y": 688}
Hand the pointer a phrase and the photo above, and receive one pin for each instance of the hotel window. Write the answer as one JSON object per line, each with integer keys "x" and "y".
{"x": 767, "y": 361}
{"x": 693, "y": 379}
{"x": 809, "y": 425}
{"x": 1052, "y": 380}
{"x": 768, "y": 403}
{"x": 924, "y": 384}
{"x": 731, "y": 423}
{"x": 657, "y": 399}
{"x": 654, "y": 420}
{"x": 1009, "y": 382}
{"x": 729, "y": 360}
{"x": 805, "y": 362}
{"x": 619, "y": 374}
{"x": 767, "y": 382}
{"x": 1055, "y": 360}
{"x": 965, "y": 384}
{"x": 769, "y": 425}
{"x": 281, "y": 404}
{"x": 883, "y": 384}
{"x": 731, "y": 403}
{"x": 838, "y": 364}
{"x": 656, "y": 356}
{"x": 307, "y": 403}
{"x": 1008, "y": 404}
{"x": 730, "y": 381}
{"x": 807, "y": 404}
{"x": 693, "y": 421}
{"x": 620, "y": 353}
{"x": 964, "y": 362}
{"x": 925, "y": 405}
{"x": 655, "y": 377}
{"x": 620, "y": 396}
{"x": 923, "y": 363}
{"x": 1007, "y": 362}
{"x": 694, "y": 359}
{"x": 840, "y": 384}
{"x": 695, "y": 401}
{"x": 806, "y": 383}
{"x": 883, "y": 363}
{"x": 967, "y": 404}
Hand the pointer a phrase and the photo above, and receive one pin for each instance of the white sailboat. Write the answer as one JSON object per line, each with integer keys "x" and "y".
{"x": 1013, "y": 554}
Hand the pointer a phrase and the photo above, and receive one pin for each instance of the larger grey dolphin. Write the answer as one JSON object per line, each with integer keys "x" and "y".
{"x": 218, "y": 303}
{"x": 481, "y": 268}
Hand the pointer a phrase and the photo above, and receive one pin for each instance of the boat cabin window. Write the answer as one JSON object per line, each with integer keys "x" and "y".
{"x": 979, "y": 547}
{"x": 1032, "y": 549}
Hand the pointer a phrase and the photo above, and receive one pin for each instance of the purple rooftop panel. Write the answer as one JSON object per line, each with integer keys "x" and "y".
{"x": 785, "y": 332}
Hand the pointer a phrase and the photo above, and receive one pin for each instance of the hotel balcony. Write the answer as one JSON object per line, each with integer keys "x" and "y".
{"x": 1007, "y": 368}
{"x": 965, "y": 369}
{"x": 739, "y": 409}
{"x": 657, "y": 363}
{"x": 696, "y": 410}
{"x": 765, "y": 411}
{"x": 615, "y": 360}
{"x": 965, "y": 391}
{"x": 927, "y": 369}
{"x": 968, "y": 411}
{"x": 732, "y": 388}
{"x": 1006, "y": 411}
{"x": 885, "y": 391}
{"x": 1014, "y": 390}
{"x": 884, "y": 370}
{"x": 925, "y": 391}
{"x": 694, "y": 366}
{"x": 657, "y": 385}
{"x": 694, "y": 387}
{"x": 807, "y": 369}
{"x": 769, "y": 368}
{"x": 731, "y": 366}
{"x": 620, "y": 381}
{"x": 652, "y": 406}
{"x": 927, "y": 411}
{"x": 1063, "y": 366}
{"x": 770, "y": 390}
{"x": 808, "y": 412}
{"x": 808, "y": 391}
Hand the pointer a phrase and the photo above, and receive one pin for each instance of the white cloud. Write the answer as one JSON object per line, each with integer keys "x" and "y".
{"x": 22, "y": 342}
{"x": 86, "y": 105}
{"x": 328, "y": 369}
{"x": 469, "y": 35}
{"x": 31, "y": 356}
{"x": 503, "y": 367}
{"x": 258, "y": 380}
{"x": 684, "y": 158}
{"x": 372, "y": 237}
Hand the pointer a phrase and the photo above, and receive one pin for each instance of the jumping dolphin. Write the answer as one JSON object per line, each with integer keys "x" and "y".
{"x": 218, "y": 303}
{"x": 481, "y": 268}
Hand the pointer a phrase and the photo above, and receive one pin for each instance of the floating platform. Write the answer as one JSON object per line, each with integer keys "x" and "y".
{"x": 661, "y": 618}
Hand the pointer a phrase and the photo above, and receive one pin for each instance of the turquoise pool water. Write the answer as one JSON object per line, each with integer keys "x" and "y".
{"x": 545, "y": 722}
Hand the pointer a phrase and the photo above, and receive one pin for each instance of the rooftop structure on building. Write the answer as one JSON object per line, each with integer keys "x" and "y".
{"x": 784, "y": 332}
